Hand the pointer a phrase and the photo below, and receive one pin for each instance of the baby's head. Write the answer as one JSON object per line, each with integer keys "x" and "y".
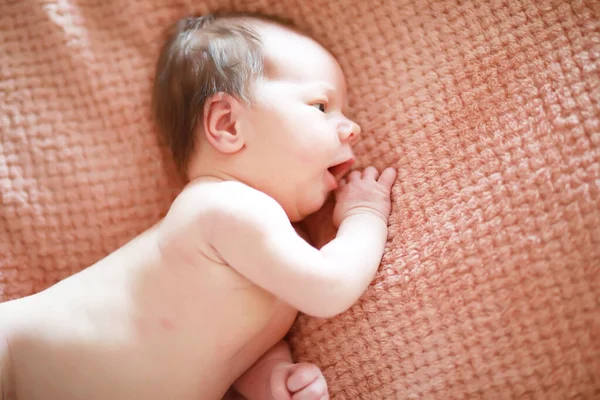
{"x": 246, "y": 98}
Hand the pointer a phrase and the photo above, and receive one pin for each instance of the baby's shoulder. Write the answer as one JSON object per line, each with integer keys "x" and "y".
{"x": 204, "y": 212}
{"x": 207, "y": 201}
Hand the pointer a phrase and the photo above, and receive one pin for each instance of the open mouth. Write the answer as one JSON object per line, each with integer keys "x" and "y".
{"x": 339, "y": 170}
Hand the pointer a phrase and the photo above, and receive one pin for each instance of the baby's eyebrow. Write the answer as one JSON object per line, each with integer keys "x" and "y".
{"x": 327, "y": 87}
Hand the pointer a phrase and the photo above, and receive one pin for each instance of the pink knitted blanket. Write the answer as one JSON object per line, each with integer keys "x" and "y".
{"x": 490, "y": 110}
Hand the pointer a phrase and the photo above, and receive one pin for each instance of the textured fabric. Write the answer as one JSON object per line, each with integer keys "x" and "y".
{"x": 490, "y": 285}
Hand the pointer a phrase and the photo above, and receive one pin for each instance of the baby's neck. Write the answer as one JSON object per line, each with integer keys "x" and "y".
{"x": 204, "y": 167}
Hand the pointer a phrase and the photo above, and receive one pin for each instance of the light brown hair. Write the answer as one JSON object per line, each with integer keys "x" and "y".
{"x": 203, "y": 56}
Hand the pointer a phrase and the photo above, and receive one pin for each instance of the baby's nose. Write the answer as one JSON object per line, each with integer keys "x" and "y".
{"x": 349, "y": 131}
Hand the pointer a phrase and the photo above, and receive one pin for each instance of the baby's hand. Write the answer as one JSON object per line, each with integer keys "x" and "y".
{"x": 302, "y": 381}
{"x": 364, "y": 192}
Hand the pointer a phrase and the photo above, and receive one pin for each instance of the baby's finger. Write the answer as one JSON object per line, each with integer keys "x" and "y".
{"x": 316, "y": 390}
{"x": 354, "y": 175}
{"x": 370, "y": 173}
{"x": 304, "y": 375}
{"x": 388, "y": 177}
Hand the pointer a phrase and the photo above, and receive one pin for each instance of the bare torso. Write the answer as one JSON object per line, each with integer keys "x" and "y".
{"x": 140, "y": 325}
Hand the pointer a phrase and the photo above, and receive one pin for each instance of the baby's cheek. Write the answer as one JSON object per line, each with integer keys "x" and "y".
{"x": 307, "y": 159}
{"x": 313, "y": 154}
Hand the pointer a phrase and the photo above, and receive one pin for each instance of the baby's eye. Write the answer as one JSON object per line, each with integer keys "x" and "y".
{"x": 320, "y": 106}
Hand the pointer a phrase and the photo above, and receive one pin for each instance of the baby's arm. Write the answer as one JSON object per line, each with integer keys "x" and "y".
{"x": 256, "y": 238}
{"x": 275, "y": 376}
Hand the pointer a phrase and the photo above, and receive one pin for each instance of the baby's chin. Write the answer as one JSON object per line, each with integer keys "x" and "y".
{"x": 302, "y": 211}
{"x": 299, "y": 214}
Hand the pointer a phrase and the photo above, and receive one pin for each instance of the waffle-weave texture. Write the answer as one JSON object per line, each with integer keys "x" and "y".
{"x": 490, "y": 285}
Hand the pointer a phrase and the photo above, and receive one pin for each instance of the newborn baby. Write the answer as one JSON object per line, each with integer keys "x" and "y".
{"x": 253, "y": 112}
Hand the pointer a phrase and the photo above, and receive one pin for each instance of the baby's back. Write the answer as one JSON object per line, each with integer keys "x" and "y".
{"x": 143, "y": 323}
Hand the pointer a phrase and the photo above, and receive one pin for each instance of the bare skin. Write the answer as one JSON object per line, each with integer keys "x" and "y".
{"x": 202, "y": 300}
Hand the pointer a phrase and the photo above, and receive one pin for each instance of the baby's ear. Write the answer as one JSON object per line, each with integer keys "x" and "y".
{"x": 221, "y": 112}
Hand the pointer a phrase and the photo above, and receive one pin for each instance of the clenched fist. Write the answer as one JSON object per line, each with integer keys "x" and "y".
{"x": 302, "y": 381}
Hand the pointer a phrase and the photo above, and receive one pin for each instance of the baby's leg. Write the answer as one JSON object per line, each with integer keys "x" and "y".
{"x": 255, "y": 383}
{"x": 275, "y": 376}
